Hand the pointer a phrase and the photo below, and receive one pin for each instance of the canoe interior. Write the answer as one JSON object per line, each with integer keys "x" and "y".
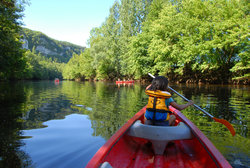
{"x": 136, "y": 152}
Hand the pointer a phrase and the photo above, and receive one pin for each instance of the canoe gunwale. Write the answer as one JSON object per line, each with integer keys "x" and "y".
{"x": 104, "y": 150}
{"x": 206, "y": 143}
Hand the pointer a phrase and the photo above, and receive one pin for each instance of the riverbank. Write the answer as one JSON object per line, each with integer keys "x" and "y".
{"x": 245, "y": 81}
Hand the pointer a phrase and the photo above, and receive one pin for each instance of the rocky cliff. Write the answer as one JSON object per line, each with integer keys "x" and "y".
{"x": 59, "y": 51}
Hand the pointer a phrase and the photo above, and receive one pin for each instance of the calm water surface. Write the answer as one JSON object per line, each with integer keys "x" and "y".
{"x": 44, "y": 124}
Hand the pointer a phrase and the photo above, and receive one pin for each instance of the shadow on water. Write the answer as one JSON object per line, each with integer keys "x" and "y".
{"x": 46, "y": 125}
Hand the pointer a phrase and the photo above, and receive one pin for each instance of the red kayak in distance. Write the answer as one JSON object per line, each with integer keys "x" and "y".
{"x": 126, "y": 82}
{"x": 56, "y": 80}
{"x": 137, "y": 145}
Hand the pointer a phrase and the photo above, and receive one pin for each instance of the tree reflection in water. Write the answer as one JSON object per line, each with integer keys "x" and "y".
{"x": 11, "y": 100}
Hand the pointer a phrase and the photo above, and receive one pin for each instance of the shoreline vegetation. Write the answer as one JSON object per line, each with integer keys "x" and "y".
{"x": 148, "y": 80}
{"x": 189, "y": 41}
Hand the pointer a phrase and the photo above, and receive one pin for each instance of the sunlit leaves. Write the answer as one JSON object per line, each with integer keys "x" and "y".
{"x": 206, "y": 35}
{"x": 11, "y": 56}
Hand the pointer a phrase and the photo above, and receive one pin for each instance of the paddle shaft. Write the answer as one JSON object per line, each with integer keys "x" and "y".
{"x": 185, "y": 98}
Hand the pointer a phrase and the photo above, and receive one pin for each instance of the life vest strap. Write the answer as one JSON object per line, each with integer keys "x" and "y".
{"x": 154, "y": 109}
{"x": 158, "y": 110}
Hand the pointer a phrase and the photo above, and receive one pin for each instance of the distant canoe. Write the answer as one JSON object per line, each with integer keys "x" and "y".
{"x": 121, "y": 82}
{"x": 56, "y": 80}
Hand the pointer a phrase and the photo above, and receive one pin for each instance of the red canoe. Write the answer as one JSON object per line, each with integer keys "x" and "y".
{"x": 121, "y": 82}
{"x": 137, "y": 145}
{"x": 56, "y": 80}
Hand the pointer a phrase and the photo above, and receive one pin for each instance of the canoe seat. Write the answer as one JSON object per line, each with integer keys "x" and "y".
{"x": 160, "y": 135}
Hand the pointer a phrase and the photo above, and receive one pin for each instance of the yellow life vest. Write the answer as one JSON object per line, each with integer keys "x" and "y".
{"x": 156, "y": 102}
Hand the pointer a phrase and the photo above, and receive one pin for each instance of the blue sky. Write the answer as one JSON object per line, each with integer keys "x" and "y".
{"x": 66, "y": 20}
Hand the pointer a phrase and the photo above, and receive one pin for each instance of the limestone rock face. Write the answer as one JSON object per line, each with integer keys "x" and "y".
{"x": 25, "y": 44}
{"x": 59, "y": 51}
{"x": 45, "y": 51}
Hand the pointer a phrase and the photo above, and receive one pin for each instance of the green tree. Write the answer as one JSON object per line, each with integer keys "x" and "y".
{"x": 198, "y": 37}
{"x": 101, "y": 62}
{"x": 112, "y": 33}
{"x": 132, "y": 14}
{"x": 40, "y": 67}
{"x": 71, "y": 70}
{"x": 86, "y": 68}
{"x": 104, "y": 46}
{"x": 12, "y": 56}
{"x": 139, "y": 61}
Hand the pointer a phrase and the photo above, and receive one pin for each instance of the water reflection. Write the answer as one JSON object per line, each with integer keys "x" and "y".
{"x": 230, "y": 103}
{"x": 44, "y": 125}
{"x": 63, "y": 143}
{"x": 12, "y": 97}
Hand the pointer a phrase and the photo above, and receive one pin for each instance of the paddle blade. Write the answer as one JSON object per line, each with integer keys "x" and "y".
{"x": 226, "y": 123}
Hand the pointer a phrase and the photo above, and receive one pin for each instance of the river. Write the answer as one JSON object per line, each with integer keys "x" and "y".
{"x": 46, "y": 124}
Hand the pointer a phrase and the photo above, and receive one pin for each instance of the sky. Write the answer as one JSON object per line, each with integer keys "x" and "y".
{"x": 66, "y": 20}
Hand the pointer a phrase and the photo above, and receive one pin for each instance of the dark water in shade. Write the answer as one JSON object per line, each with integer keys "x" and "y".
{"x": 44, "y": 124}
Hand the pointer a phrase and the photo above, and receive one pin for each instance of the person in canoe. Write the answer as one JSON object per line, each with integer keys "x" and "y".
{"x": 157, "y": 112}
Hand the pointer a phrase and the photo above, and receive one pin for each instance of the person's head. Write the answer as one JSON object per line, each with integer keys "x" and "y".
{"x": 159, "y": 83}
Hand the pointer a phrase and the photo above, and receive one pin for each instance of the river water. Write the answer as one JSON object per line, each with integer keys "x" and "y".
{"x": 46, "y": 124}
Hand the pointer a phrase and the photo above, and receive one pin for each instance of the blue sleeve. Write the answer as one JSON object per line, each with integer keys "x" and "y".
{"x": 168, "y": 101}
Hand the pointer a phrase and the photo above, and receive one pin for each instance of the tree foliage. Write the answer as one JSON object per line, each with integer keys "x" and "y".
{"x": 40, "y": 67}
{"x": 11, "y": 55}
{"x": 203, "y": 37}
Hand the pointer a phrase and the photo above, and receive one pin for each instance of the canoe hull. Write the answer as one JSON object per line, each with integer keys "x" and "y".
{"x": 123, "y": 150}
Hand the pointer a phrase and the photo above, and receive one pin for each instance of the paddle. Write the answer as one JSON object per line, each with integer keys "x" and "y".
{"x": 222, "y": 121}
